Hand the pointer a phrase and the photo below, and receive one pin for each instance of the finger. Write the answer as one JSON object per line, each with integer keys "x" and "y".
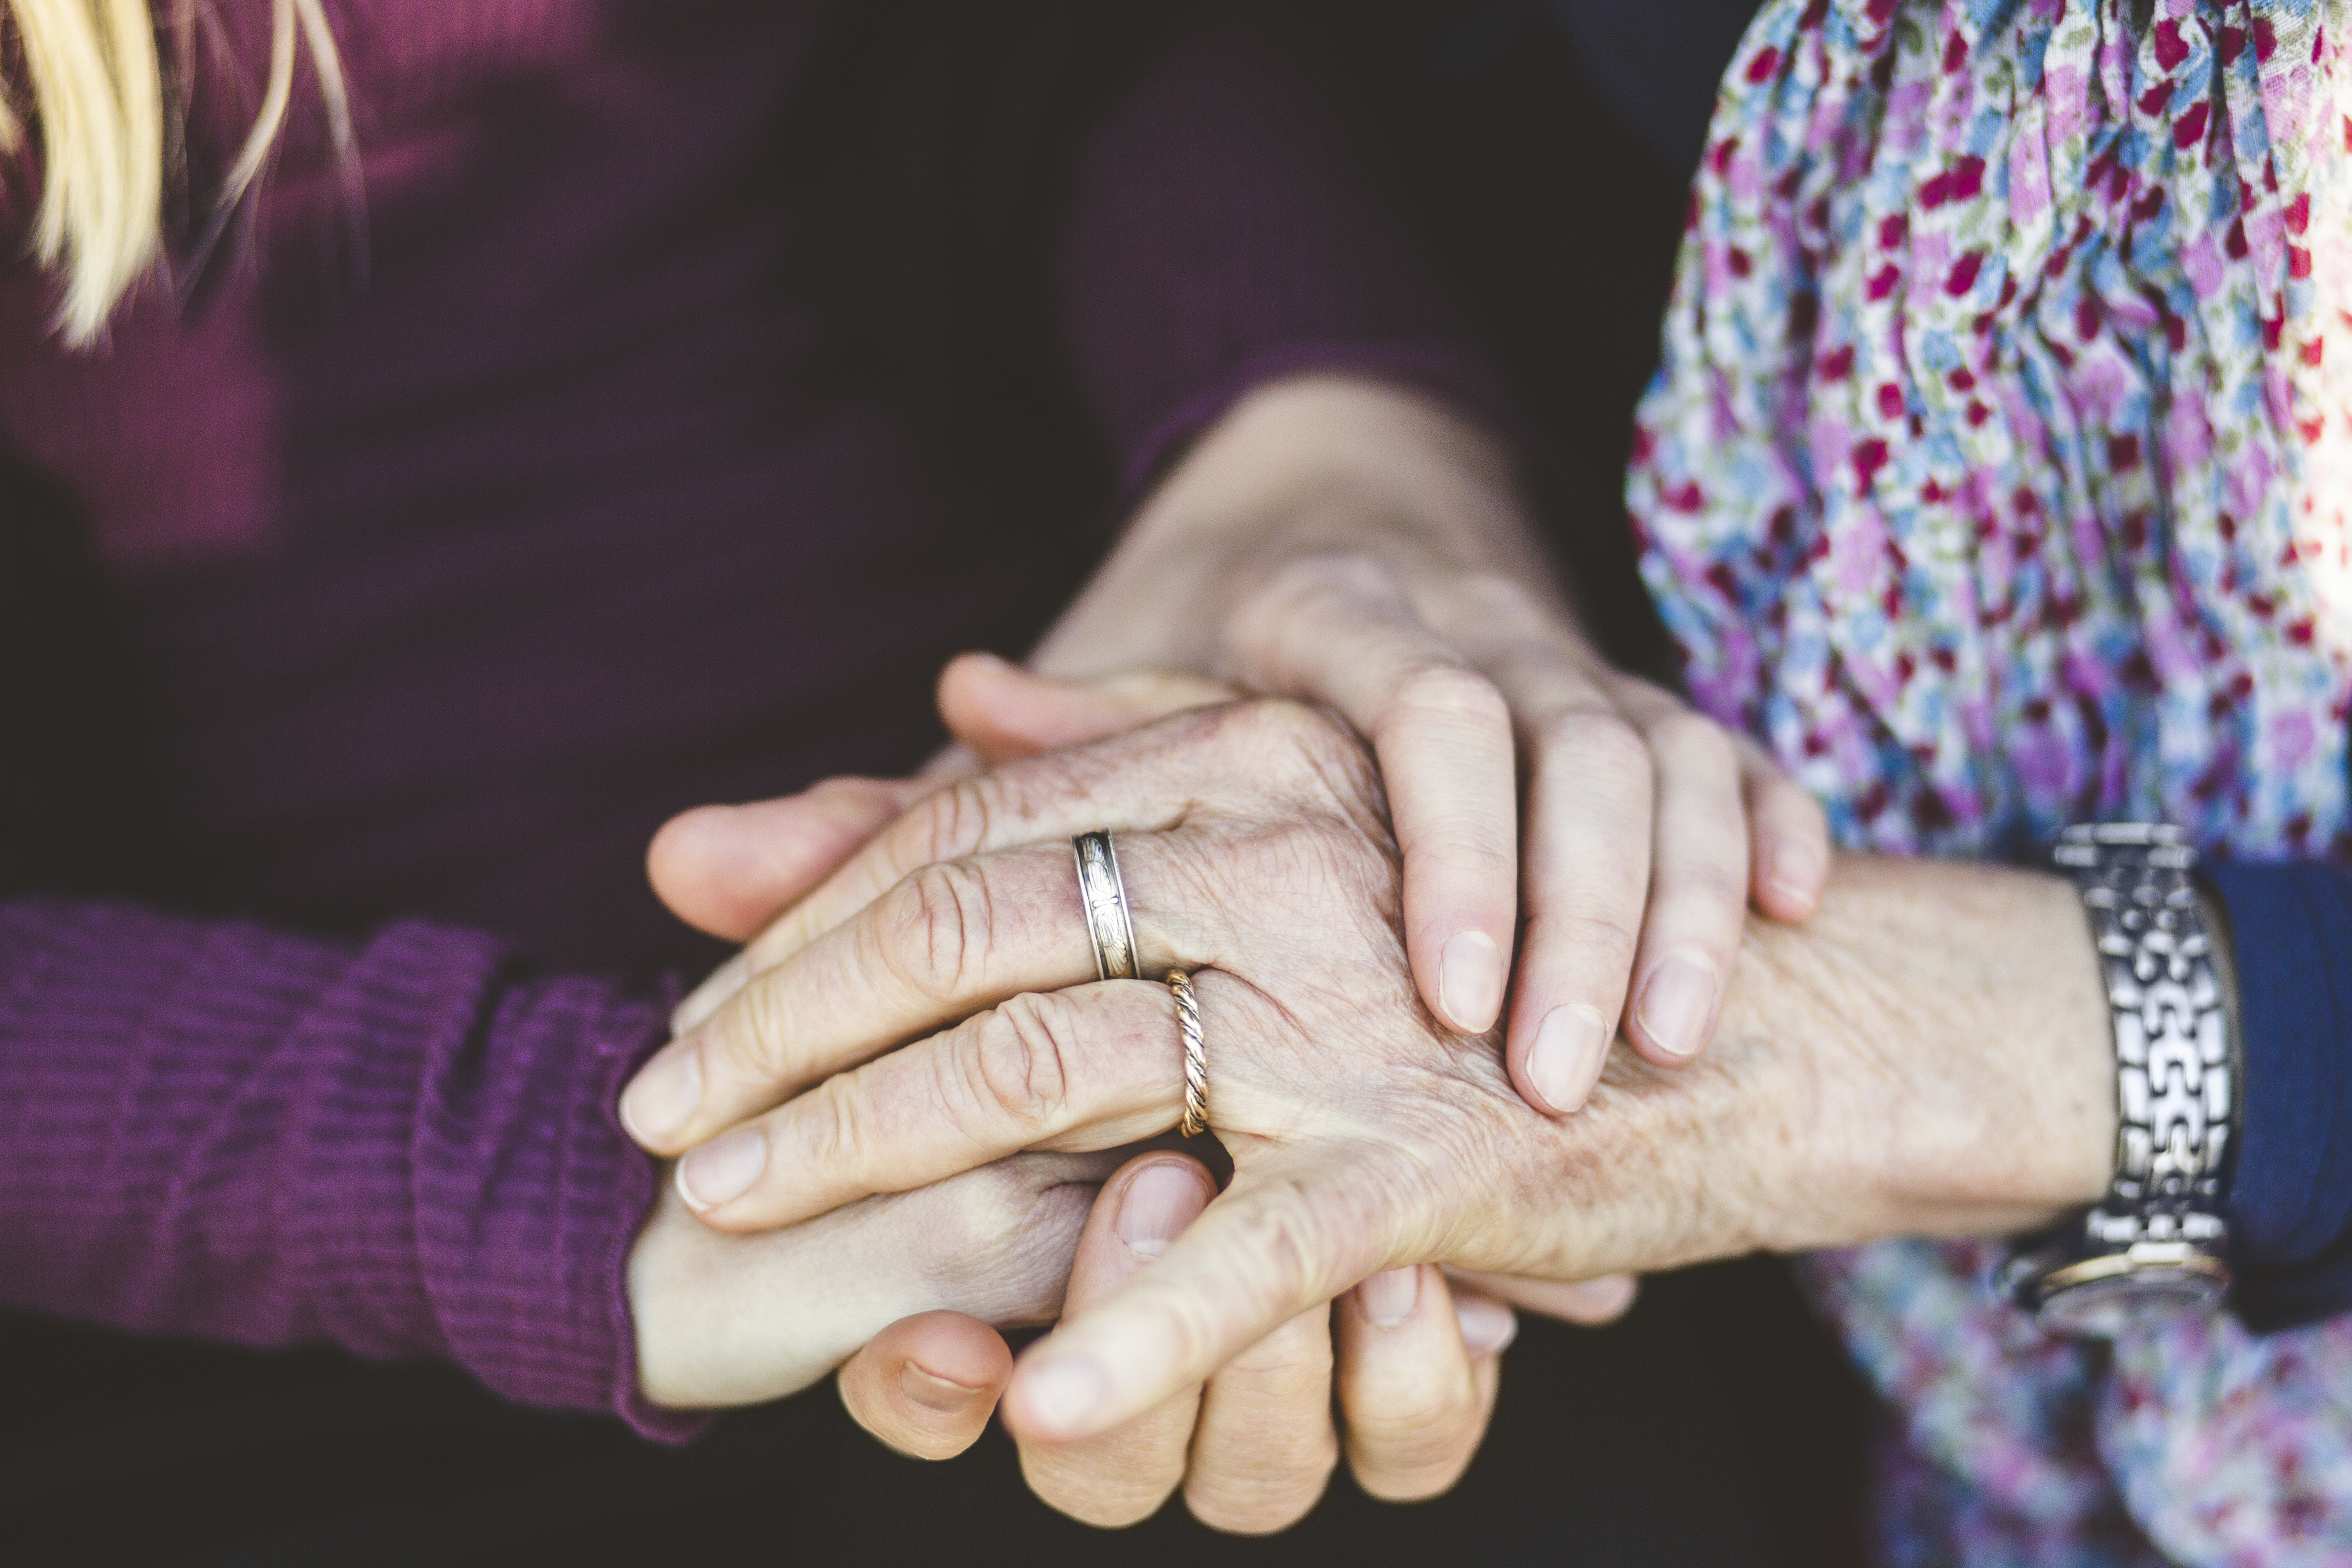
{"x": 1261, "y": 1255}
{"x": 736, "y": 1320}
{"x": 1488, "y": 1328}
{"x": 1343, "y": 632}
{"x": 1123, "y": 1475}
{"x": 954, "y": 938}
{"x": 1094, "y": 1067}
{"x": 1414, "y": 1402}
{"x": 1698, "y": 879}
{"x": 1587, "y": 872}
{"x": 1132, "y": 783}
{"x": 728, "y": 869}
{"x": 1590, "y": 1302}
{"x": 926, "y": 1386}
{"x": 1791, "y": 835}
{"x": 1003, "y": 711}
{"x": 1263, "y": 1449}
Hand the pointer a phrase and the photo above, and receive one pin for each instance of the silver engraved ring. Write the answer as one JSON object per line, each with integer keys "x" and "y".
{"x": 1105, "y": 895}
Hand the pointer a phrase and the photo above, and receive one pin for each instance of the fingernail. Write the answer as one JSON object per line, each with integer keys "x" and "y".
{"x": 1675, "y": 1006}
{"x": 1387, "y": 1299}
{"x": 1487, "y": 1327}
{"x": 1795, "y": 874}
{"x": 711, "y": 995}
{"x": 1062, "y": 1395}
{"x": 1564, "y": 1063}
{"x": 1610, "y": 1294}
{"x": 1470, "y": 981}
{"x": 1161, "y": 1202}
{"x": 722, "y": 1170}
{"x": 663, "y": 1098}
{"x": 932, "y": 1392}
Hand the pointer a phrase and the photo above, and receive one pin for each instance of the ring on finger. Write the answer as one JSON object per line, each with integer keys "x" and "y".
{"x": 1196, "y": 1060}
{"x": 1104, "y": 893}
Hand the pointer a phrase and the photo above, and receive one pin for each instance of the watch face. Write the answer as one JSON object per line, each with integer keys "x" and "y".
{"x": 2106, "y": 1307}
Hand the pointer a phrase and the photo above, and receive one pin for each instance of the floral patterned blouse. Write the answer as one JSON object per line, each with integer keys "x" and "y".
{"x": 1997, "y": 477}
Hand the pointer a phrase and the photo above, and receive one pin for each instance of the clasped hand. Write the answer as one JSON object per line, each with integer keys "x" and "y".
{"x": 896, "y": 1103}
{"x": 1366, "y": 1137}
{"x": 1257, "y": 854}
{"x": 1038, "y": 1061}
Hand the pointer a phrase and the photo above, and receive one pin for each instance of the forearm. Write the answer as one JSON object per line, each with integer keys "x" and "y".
{"x": 401, "y": 1146}
{"x": 1313, "y": 466}
{"x": 1955, "y": 1018}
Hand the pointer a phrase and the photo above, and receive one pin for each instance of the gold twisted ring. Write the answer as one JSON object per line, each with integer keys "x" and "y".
{"x": 1105, "y": 895}
{"x": 1196, "y": 1060}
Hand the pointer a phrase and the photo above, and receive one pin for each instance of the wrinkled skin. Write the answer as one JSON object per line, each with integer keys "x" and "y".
{"x": 1409, "y": 1359}
{"x": 1365, "y": 1135}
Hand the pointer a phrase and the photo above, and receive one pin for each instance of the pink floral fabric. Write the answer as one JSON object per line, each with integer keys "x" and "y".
{"x": 1997, "y": 477}
{"x": 2196, "y": 1443}
{"x": 1999, "y": 467}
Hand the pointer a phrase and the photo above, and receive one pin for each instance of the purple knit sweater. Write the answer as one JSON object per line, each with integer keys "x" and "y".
{"x": 441, "y": 596}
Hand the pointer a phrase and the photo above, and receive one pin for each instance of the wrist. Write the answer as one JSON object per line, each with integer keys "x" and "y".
{"x": 1948, "y": 1059}
{"x": 1313, "y": 466}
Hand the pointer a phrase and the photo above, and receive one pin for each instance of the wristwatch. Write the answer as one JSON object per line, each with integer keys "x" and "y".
{"x": 2157, "y": 1244}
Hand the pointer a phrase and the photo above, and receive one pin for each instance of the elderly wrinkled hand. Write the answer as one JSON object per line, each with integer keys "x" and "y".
{"x": 1411, "y": 1359}
{"x": 1868, "y": 1083}
{"x": 1293, "y": 812}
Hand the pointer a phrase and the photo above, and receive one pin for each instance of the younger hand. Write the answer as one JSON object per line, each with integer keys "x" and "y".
{"x": 725, "y": 1321}
{"x": 1363, "y": 547}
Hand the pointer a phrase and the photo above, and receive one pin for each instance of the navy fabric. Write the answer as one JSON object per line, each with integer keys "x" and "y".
{"x": 1659, "y": 65}
{"x": 2291, "y": 1195}
{"x": 1655, "y": 66}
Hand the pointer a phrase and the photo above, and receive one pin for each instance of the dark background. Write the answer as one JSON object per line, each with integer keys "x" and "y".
{"x": 1552, "y": 140}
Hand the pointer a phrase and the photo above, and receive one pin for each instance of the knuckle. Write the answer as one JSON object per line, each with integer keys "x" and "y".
{"x": 1452, "y": 693}
{"x": 997, "y": 1242}
{"x": 1289, "y": 748}
{"x": 1413, "y": 1433}
{"x": 1418, "y": 1468}
{"x": 834, "y": 1136}
{"x": 1271, "y": 1494}
{"x": 1329, "y": 575}
{"x": 1600, "y": 746}
{"x": 1682, "y": 737}
{"x": 1495, "y": 599}
{"x": 1708, "y": 896}
{"x": 977, "y": 1216}
{"x": 1108, "y": 1491}
{"x": 1605, "y": 933}
{"x": 1020, "y": 1065}
{"x": 752, "y": 1038}
{"x": 937, "y": 937}
{"x": 1291, "y": 1243}
{"x": 954, "y": 821}
{"x": 1281, "y": 722}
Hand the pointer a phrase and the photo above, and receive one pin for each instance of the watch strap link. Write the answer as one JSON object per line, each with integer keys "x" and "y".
{"x": 2175, "y": 1073}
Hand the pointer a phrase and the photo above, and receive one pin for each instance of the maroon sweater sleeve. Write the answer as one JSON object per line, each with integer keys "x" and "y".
{"x": 403, "y": 1146}
{"x": 1234, "y": 220}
